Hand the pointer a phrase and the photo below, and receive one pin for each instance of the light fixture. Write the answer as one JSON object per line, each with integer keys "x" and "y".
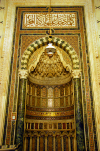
{"x": 50, "y": 49}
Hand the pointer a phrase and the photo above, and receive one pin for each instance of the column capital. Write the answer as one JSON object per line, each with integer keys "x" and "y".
{"x": 23, "y": 74}
{"x": 76, "y": 73}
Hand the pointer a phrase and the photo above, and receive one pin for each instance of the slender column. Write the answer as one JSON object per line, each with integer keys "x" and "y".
{"x": 21, "y": 108}
{"x": 69, "y": 144}
{"x": 46, "y": 143}
{"x": 78, "y": 110}
{"x": 54, "y": 142}
{"x": 75, "y": 148}
{"x": 38, "y": 143}
{"x": 62, "y": 142}
{"x": 30, "y": 143}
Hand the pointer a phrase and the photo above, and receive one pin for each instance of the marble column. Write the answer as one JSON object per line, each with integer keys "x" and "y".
{"x": 21, "y": 107}
{"x": 78, "y": 110}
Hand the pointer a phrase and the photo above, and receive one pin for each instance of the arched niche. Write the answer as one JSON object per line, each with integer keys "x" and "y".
{"x": 44, "y": 41}
{"x": 74, "y": 72}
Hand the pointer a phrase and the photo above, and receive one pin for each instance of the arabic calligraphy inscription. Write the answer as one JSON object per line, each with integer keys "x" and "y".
{"x": 37, "y": 20}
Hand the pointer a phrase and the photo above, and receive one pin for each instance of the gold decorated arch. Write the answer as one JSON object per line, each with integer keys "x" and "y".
{"x": 44, "y": 41}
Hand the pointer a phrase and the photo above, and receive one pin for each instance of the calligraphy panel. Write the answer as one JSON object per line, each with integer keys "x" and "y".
{"x": 55, "y": 20}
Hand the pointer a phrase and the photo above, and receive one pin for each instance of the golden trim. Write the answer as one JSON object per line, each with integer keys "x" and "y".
{"x": 32, "y": 113}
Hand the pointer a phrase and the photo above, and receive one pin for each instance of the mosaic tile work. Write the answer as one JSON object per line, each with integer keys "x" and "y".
{"x": 82, "y": 53}
{"x": 27, "y": 39}
{"x": 56, "y": 103}
{"x": 44, "y": 103}
{"x": 72, "y": 39}
{"x": 44, "y": 92}
{"x": 56, "y": 92}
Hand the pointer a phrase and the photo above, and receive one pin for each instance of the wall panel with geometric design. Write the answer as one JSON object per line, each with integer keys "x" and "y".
{"x": 50, "y": 108}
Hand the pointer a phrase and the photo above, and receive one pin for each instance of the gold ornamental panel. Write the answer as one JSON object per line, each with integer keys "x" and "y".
{"x": 34, "y": 113}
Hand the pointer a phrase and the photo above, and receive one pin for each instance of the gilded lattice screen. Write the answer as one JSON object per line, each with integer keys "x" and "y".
{"x": 49, "y": 96}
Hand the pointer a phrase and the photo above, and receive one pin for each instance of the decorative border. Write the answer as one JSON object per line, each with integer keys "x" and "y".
{"x": 44, "y": 41}
{"x": 50, "y": 114}
{"x": 50, "y": 118}
{"x": 49, "y": 110}
{"x": 91, "y": 33}
{"x": 23, "y": 27}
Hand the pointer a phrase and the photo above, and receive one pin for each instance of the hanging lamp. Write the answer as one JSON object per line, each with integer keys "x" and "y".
{"x": 50, "y": 49}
